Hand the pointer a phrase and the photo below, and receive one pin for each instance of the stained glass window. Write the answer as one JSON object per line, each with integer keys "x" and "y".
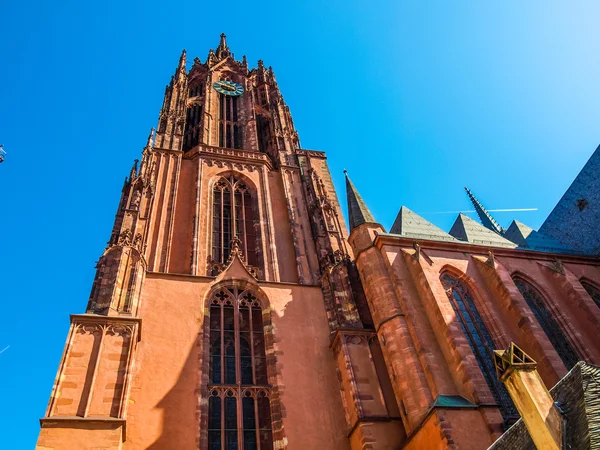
{"x": 233, "y": 216}
{"x": 238, "y": 385}
{"x": 537, "y": 304}
{"x": 592, "y": 290}
{"x": 479, "y": 339}
{"x": 230, "y": 131}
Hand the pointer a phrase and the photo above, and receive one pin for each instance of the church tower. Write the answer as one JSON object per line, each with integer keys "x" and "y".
{"x": 226, "y": 311}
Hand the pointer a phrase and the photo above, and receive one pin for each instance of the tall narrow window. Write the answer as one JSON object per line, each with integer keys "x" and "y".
{"x": 592, "y": 290}
{"x": 233, "y": 216}
{"x": 479, "y": 339}
{"x": 191, "y": 134}
{"x": 537, "y": 304}
{"x": 239, "y": 410}
{"x": 230, "y": 131}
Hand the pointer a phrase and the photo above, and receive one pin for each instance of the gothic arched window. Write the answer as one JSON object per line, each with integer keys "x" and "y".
{"x": 191, "y": 136}
{"x": 239, "y": 410}
{"x": 230, "y": 132}
{"x": 233, "y": 217}
{"x": 592, "y": 290}
{"x": 537, "y": 304}
{"x": 479, "y": 339}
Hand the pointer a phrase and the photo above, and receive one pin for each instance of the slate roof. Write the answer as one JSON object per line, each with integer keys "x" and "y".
{"x": 358, "y": 213}
{"x": 578, "y": 395}
{"x": 574, "y": 220}
{"x": 410, "y": 224}
{"x": 527, "y": 237}
{"x": 466, "y": 229}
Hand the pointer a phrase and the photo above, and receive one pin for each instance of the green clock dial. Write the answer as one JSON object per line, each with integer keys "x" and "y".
{"x": 226, "y": 87}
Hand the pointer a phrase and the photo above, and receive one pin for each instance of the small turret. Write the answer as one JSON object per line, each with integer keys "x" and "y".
{"x": 358, "y": 213}
{"x": 223, "y": 49}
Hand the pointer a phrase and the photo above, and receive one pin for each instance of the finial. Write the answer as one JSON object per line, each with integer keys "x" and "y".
{"x": 182, "y": 58}
{"x": 197, "y": 61}
{"x": 345, "y": 172}
{"x": 150, "y": 137}
{"x": 485, "y": 217}
{"x": 222, "y": 49}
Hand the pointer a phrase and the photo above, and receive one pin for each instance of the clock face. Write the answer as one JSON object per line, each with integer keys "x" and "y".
{"x": 228, "y": 88}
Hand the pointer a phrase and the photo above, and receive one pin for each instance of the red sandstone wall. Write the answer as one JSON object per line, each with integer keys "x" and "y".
{"x": 164, "y": 400}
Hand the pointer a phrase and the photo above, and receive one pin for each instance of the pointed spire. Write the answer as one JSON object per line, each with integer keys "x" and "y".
{"x": 134, "y": 170}
{"x": 150, "y": 138}
{"x": 182, "y": 59}
{"x": 485, "y": 217}
{"x": 358, "y": 213}
{"x": 223, "y": 49}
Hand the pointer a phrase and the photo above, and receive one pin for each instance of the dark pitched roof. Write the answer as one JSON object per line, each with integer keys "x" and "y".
{"x": 574, "y": 220}
{"x": 578, "y": 395}
{"x": 486, "y": 218}
{"x": 466, "y": 229}
{"x": 358, "y": 213}
{"x": 409, "y": 224}
{"x": 527, "y": 237}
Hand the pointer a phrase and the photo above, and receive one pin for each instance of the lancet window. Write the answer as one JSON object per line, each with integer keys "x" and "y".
{"x": 230, "y": 131}
{"x": 479, "y": 339}
{"x": 193, "y": 119}
{"x": 239, "y": 409}
{"x": 593, "y": 291}
{"x": 537, "y": 304}
{"x": 233, "y": 217}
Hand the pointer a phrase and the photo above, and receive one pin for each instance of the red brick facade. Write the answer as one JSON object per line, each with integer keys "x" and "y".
{"x": 362, "y": 344}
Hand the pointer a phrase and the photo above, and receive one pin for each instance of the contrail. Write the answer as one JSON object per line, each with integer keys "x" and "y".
{"x": 490, "y": 210}
{"x": 4, "y": 349}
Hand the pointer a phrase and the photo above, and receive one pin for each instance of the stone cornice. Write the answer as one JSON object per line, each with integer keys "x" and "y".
{"x": 311, "y": 153}
{"x": 464, "y": 247}
{"x": 71, "y": 421}
{"x": 335, "y": 337}
{"x": 97, "y": 319}
{"x": 242, "y": 157}
{"x": 166, "y": 150}
{"x": 204, "y": 278}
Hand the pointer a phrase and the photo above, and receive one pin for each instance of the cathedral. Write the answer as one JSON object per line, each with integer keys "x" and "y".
{"x": 234, "y": 307}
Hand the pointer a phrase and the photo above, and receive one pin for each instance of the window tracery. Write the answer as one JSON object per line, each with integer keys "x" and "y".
{"x": 233, "y": 219}
{"x": 193, "y": 119}
{"x": 537, "y": 304}
{"x": 239, "y": 411}
{"x": 479, "y": 339}
{"x": 230, "y": 131}
{"x": 592, "y": 290}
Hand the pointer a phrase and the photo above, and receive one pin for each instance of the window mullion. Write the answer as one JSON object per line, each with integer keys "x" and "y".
{"x": 233, "y": 214}
{"x": 256, "y": 421}
{"x": 238, "y": 368}
{"x": 243, "y": 225}
{"x": 222, "y": 249}
{"x": 252, "y": 344}
{"x": 222, "y": 344}
{"x": 222, "y": 395}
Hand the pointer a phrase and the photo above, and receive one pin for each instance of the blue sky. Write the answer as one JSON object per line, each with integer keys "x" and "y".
{"x": 422, "y": 98}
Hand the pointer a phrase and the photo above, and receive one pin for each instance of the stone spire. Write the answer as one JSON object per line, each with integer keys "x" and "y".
{"x": 223, "y": 49}
{"x": 358, "y": 213}
{"x": 485, "y": 217}
{"x": 181, "y": 70}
